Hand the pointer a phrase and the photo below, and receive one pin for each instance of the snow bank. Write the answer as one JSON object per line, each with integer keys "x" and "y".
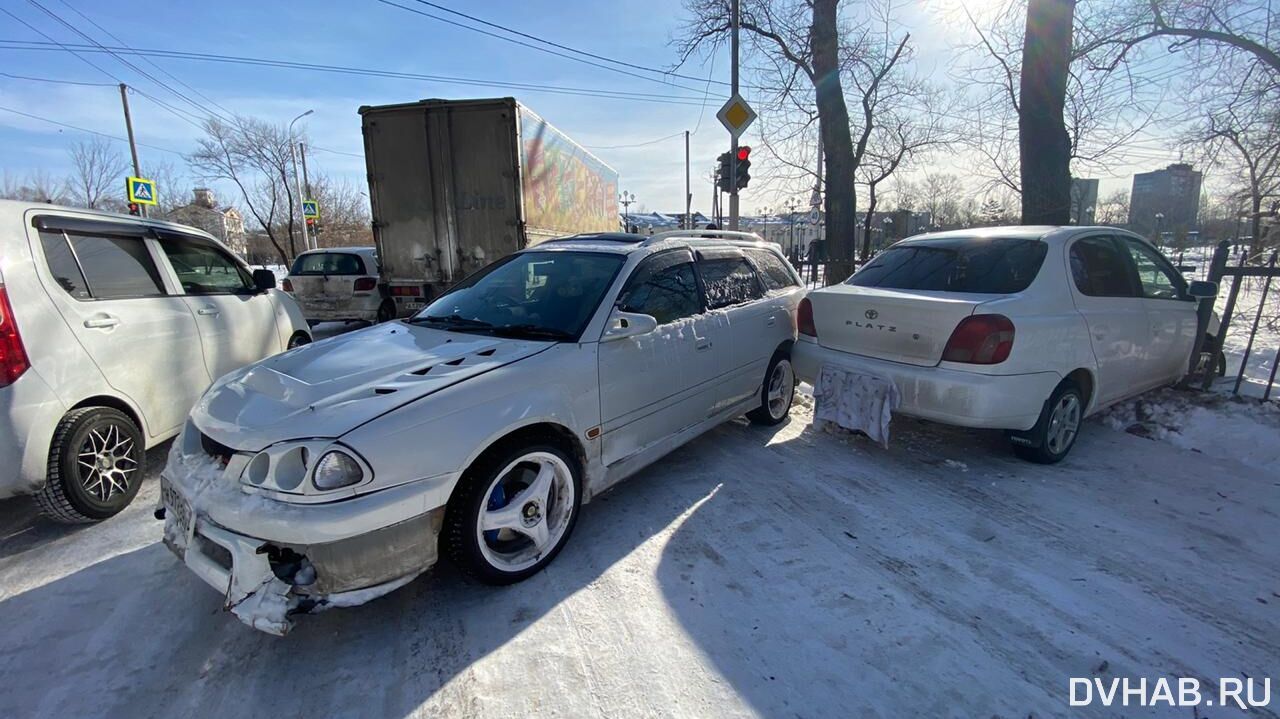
{"x": 1242, "y": 429}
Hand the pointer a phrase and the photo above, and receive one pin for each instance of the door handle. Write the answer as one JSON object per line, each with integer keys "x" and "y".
{"x": 208, "y": 311}
{"x": 702, "y": 344}
{"x": 102, "y": 323}
{"x": 771, "y": 321}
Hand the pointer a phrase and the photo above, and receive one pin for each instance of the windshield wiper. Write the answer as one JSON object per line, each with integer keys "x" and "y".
{"x": 452, "y": 321}
{"x": 535, "y": 332}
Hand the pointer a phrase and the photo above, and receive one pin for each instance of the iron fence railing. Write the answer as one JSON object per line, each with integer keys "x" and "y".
{"x": 1251, "y": 296}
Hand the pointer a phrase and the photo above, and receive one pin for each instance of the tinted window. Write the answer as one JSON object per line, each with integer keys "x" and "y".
{"x": 328, "y": 263}
{"x": 773, "y": 270}
{"x": 116, "y": 267}
{"x": 1099, "y": 270}
{"x": 204, "y": 269}
{"x": 62, "y": 264}
{"x": 729, "y": 281}
{"x": 968, "y": 264}
{"x": 1157, "y": 277}
{"x": 665, "y": 287}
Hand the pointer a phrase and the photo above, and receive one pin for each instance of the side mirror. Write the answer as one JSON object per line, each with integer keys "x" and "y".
{"x": 1184, "y": 269}
{"x": 1202, "y": 290}
{"x": 628, "y": 324}
{"x": 264, "y": 280}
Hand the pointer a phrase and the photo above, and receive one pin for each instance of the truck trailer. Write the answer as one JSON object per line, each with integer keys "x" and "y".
{"x": 457, "y": 184}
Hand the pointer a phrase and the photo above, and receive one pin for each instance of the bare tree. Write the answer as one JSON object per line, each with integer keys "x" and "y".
{"x": 1113, "y": 209}
{"x": 1245, "y": 142}
{"x": 36, "y": 186}
{"x": 255, "y": 156}
{"x": 344, "y": 212}
{"x": 98, "y": 172}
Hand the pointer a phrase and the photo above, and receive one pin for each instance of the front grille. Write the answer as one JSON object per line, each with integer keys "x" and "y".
{"x": 214, "y": 551}
{"x": 215, "y": 449}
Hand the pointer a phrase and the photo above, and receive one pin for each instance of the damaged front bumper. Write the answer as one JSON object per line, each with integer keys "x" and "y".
{"x": 307, "y": 558}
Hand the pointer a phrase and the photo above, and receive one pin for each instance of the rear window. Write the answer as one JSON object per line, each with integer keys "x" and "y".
{"x": 328, "y": 263}
{"x": 964, "y": 264}
{"x": 773, "y": 270}
{"x": 729, "y": 281}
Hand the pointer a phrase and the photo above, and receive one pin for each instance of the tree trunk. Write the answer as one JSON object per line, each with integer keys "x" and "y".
{"x": 837, "y": 142}
{"x": 1045, "y": 149}
{"x": 866, "y": 223}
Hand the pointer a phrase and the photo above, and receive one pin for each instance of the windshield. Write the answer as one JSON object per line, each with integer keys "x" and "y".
{"x": 540, "y": 295}
{"x": 961, "y": 264}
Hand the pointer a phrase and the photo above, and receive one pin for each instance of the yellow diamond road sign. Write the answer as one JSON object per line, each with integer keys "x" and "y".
{"x": 736, "y": 116}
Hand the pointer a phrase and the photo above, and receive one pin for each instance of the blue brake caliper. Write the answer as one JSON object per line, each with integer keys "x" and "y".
{"x": 497, "y": 500}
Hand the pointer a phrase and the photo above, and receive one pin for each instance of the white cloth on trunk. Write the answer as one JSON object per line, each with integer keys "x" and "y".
{"x": 856, "y": 401}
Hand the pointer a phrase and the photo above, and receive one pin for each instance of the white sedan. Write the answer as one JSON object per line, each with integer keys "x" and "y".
{"x": 1027, "y": 329}
{"x": 337, "y": 472}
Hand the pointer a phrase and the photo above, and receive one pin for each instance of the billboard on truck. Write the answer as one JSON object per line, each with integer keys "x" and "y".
{"x": 566, "y": 189}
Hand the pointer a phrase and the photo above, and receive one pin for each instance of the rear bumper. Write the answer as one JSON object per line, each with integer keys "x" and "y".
{"x": 29, "y": 414}
{"x": 950, "y": 396}
{"x": 356, "y": 308}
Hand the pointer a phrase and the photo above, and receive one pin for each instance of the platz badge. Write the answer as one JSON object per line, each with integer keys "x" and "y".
{"x": 140, "y": 190}
{"x": 736, "y": 116}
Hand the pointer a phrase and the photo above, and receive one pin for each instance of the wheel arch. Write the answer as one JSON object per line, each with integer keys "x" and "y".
{"x": 1083, "y": 378}
{"x": 116, "y": 403}
{"x": 538, "y": 431}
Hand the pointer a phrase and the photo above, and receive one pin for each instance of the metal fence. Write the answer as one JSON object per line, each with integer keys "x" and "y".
{"x": 1250, "y": 324}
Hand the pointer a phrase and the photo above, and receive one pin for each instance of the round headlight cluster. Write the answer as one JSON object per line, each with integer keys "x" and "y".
{"x": 337, "y": 469}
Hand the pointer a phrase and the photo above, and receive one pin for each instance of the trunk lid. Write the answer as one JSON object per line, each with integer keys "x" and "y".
{"x": 909, "y": 326}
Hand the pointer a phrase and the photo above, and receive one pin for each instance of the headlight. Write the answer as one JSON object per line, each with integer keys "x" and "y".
{"x": 337, "y": 469}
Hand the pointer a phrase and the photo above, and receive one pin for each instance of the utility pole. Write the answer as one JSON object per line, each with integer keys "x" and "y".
{"x": 297, "y": 180}
{"x": 733, "y": 146}
{"x": 688, "y": 193}
{"x": 133, "y": 148}
{"x": 306, "y": 183}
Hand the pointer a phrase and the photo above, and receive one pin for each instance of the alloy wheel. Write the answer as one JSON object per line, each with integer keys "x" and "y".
{"x": 528, "y": 509}
{"x": 781, "y": 387}
{"x": 1064, "y": 424}
{"x": 107, "y": 461}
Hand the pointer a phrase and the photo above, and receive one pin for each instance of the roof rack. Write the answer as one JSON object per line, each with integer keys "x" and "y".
{"x": 702, "y": 235}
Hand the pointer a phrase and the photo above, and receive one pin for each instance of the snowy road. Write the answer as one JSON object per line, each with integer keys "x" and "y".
{"x": 783, "y": 573}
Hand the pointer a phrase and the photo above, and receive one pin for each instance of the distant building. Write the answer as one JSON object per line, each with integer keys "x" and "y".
{"x": 1173, "y": 192}
{"x": 1084, "y": 200}
{"x": 203, "y": 212}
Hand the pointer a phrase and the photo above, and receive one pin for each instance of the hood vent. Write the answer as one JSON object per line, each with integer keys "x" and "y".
{"x": 486, "y": 353}
{"x": 422, "y": 371}
{"x": 384, "y": 390}
{"x": 455, "y": 363}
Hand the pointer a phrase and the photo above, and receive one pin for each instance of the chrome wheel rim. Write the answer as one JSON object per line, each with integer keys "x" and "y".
{"x": 527, "y": 511}
{"x": 1064, "y": 424}
{"x": 781, "y": 387}
{"x": 107, "y": 461}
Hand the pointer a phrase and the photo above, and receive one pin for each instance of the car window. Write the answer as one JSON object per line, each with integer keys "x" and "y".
{"x": 62, "y": 264}
{"x": 328, "y": 263}
{"x": 773, "y": 270}
{"x": 1099, "y": 269}
{"x": 1157, "y": 277}
{"x": 204, "y": 269}
{"x": 729, "y": 281}
{"x": 664, "y": 286}
{"x": 981, "y": 265}
{"x": 116, "y": 267}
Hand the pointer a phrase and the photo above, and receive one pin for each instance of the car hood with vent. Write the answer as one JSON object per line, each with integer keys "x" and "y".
{"x": 333, "y": 386}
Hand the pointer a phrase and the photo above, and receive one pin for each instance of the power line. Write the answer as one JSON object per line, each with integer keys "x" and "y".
{"x": 57, "y": 82}
{"x": 638, "y": 144}
{"x": 544, "y": 41}
{"x": 535, "y": 47}
{"x": 334, "y": 152}
{"x": 669, "y": 99}
{"x": 85, "y": 130}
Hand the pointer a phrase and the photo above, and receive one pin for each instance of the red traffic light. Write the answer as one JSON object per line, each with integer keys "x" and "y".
{"x": 134, "y": 209}
{"x": 743, "y": 153}
{"x": 311, "y": 222}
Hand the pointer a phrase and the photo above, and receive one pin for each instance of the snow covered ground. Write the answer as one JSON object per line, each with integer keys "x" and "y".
{"x": 782, "y": 572}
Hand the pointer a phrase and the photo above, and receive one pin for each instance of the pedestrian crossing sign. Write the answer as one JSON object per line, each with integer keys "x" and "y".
{"x": 311, "y": 209}
{"x": 141, "y": 190}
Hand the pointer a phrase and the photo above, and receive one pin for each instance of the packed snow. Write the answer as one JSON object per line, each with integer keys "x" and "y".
{"x": 754, "y": 572}
{"x": 1242, "y": 429}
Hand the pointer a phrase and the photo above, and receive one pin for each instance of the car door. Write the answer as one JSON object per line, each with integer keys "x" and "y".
{"x": 1171, "y": 313}
{"x": 1106, "y": 294}
{"x": 655, "y": 385}
{"x": 734, "y": 293}
{"x": 107, "y": 286}
{"x": 236, "y": 321}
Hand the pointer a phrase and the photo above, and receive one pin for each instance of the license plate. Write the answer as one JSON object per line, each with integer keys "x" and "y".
{"x": 414, "y": 305}
{"x": 179, "y": 525}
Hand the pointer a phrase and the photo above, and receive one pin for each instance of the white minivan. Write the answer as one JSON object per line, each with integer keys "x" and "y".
{"x": 339, "y": 284}
{"x": 111, "y": 327}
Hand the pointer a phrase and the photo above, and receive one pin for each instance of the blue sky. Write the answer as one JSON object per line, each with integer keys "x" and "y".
{"x": 370, "y": 34}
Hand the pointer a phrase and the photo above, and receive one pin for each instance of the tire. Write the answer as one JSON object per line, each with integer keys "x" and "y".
{"x": 776, "y": 392}
{"x": 511, "y": 554}
{"x": 312, "y": 323}
{"x": 1219, "y": 357}
{"x": 1058, "y": 428}
{"x": 386, "y": 311}
{"x": 297, "y": 340}
{"x": 76, "y": 490}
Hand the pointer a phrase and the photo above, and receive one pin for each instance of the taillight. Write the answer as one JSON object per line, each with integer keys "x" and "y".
{"x": 287, "y": 286}
{"x": 980, "y": 339}
{"x": 804, "y": 319}
{"x": 406, "y": 291}
{"x": 13, "y": 356}
{"x": 365, "y": 284}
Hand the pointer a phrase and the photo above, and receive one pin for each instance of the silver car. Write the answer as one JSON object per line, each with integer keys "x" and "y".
{"x": 339, "y": 284}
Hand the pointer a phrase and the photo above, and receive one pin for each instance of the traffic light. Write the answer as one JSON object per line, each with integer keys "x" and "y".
{"x": 723, "y": 172}
{"x": 744, "y": 165}
{"x": 134, "y": 209}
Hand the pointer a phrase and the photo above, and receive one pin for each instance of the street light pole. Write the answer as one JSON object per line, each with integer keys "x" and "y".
{"x": 1159, "y": 221}
{"x": 626, "y": 198}
{"x": 297, "y": 180}
{"x": 733, "y": 146}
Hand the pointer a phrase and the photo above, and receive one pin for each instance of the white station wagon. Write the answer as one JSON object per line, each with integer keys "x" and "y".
{"x": 337, "y": 472}
{"x": 1027, "y": 329}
